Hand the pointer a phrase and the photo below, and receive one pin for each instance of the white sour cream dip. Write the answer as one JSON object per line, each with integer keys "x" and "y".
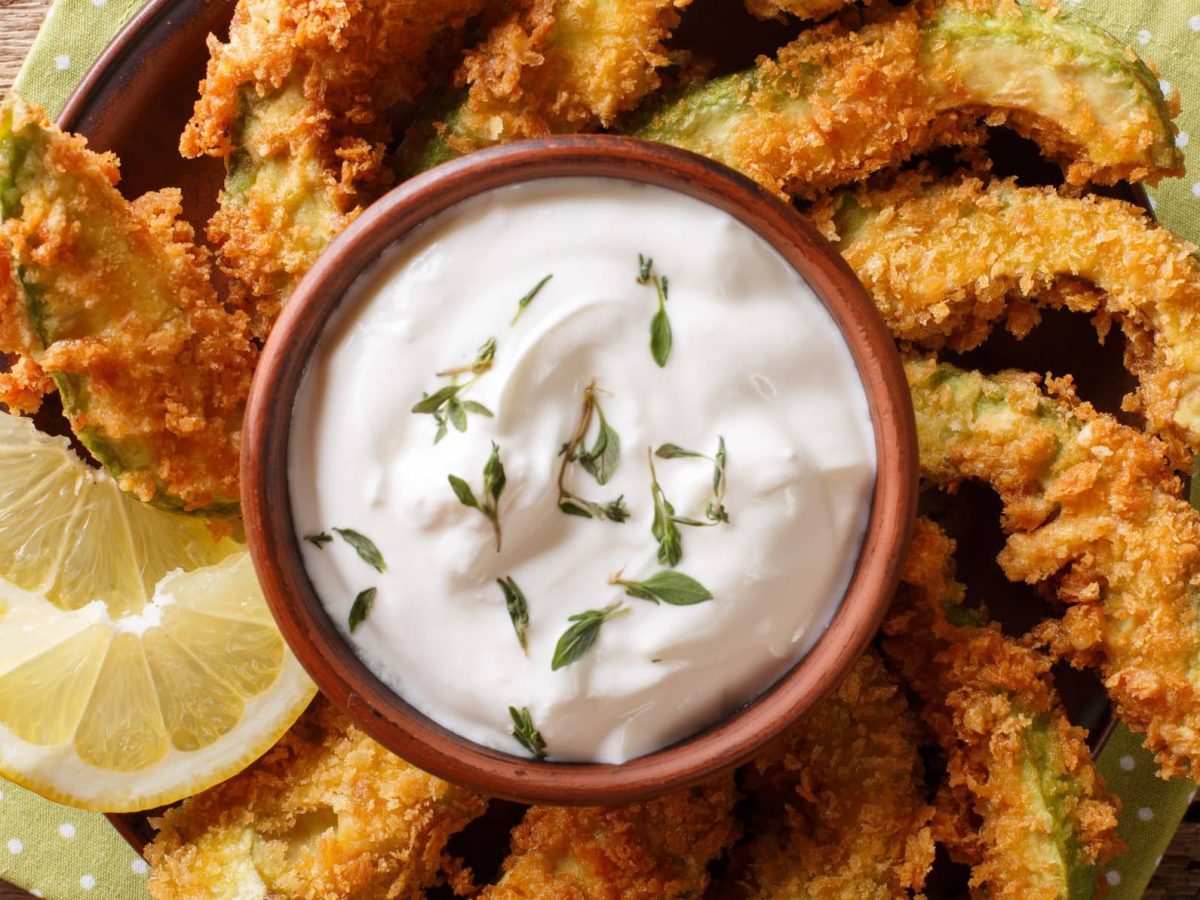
{"x": 755, "y": 359}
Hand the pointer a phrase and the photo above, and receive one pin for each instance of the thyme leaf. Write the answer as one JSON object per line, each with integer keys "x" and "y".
{"x": 660, "y": 336}
{"x": 600, "y": 462}
{"x": 463, "y": 492}
{"x": 494, "y": 481}
{"x": 714, "y": 510}
{"x": 577, "y": 640}
{"x": 673, "y": 588}
{"x": 456, "y": 414}
{"x": 319, "y": 540}
{"x": 613, "y": 511}
{"x": 528, "y": 298}
{"x": 445, "y": 405}
{"x": 477, "y": 408}
{"x": 364, "y": 546}
{"x": 361, "y": 608}
{"x": 431, "y": 403}
{"x": 518, "y": 609}
{"x": 660, "y": 325}
{"x": 525, "y": 732}
{"x": 674, "y": 451}
{"x": 670, "y": 543}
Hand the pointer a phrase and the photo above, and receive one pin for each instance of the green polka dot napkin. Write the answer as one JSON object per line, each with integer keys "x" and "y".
{"x": 62, "y": 853}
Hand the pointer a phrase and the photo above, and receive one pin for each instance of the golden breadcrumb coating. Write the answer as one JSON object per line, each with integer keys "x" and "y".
{"x": 655, "y": 850}
{"x": 326, "y": 814}
{"x": 114, "y": 301}
{"x": 1093, "y": 508}
{"x": 302, "y": 103}
{"x": 557, "y": 66}
{"x": 847, "y": 99}
{"x": 841, "y": 800}
{"x": 24, "y": 385}
{"x": 1031, "y": 244}
{"x": 1022, "y": 802}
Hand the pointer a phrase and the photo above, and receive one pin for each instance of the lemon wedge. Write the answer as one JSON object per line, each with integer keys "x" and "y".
{"x": 139, "y": 663}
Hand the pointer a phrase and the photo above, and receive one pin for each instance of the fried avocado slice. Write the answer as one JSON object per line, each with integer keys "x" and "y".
{"x": 839, "y": 104}
{"x": 1093, "y": 509}
{"x": 655, "y": 850}
{"x": 326, "y": 813}
{"x": 113, "y": 301}
{"x": 1022, "y": 802}
{"x": 1031, "y": 247}
{"x": 840, "y": 800}
{"x": 548, "y": 67}
{"x": 301, "y": 103}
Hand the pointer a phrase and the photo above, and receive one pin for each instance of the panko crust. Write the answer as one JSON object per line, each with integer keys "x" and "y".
{"x": 1092, "y": 508}
{"x": 358, "y": 61}
{"x": 866, "y": 91}
{"x": 655, "y": 850}
{"x": 302, "y": 103}
{"x": 559, "y": 66}
{"x": 1021, "y": 802}
{"x": 157, "y": 359}
{"x": 326, "y": 814}
{"x": 870, "y": 107}
{"x": 1031, "y": 247}
{"x": 842, "y": 802}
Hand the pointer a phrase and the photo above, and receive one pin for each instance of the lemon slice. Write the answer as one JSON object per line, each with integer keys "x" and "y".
{"x": 139, "y": 663}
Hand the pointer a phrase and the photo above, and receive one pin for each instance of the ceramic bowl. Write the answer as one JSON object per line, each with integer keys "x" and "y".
{"x": 331, "y": 661}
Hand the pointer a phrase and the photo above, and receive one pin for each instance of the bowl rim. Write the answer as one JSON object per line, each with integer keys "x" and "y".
{"x": 330, "y": 660}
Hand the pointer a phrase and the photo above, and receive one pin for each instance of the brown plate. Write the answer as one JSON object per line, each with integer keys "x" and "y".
{"x": 137, "y": 97}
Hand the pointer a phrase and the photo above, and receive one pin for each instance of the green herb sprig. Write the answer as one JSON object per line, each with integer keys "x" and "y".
{"x": 528, "y": 298}
{"x": 319, "y": 540}
{"x": 601, "y": 462}
{"x": 660, "y": 325}
{"x": 526, "y": 734}
{"x": 577, "y": 640}
{"x": 518, "y": 609}
{"x": 670, "y": 542}
{"x": 445, "y": 405}
{"x": 494, "y": 481}
{"x": 673, "y": 588}
{"x": 715, "y": 510}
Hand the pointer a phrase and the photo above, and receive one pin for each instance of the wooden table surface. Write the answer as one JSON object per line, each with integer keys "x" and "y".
{"x": 1178, "y": 877}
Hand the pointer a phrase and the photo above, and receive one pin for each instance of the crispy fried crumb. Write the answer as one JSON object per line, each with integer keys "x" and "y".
{"x": 327, "y": 813}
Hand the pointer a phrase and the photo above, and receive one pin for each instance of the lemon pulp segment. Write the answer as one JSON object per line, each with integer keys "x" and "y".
{"x": 138, "y": 660}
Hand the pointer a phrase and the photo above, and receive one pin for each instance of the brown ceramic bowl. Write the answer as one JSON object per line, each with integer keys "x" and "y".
{"x": 385, "y": 715}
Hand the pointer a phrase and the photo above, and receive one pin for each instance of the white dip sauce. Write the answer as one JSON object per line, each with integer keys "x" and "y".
{"x": 755, "y": 358}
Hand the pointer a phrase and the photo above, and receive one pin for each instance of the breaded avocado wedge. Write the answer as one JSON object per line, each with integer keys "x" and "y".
{"x": 840, "y": 103}
{"x": 1031, "y": 248}
{"x": 1092, "y": 510}
{"x": 113, "y": 301}
{"x": 1023, "y": 802}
